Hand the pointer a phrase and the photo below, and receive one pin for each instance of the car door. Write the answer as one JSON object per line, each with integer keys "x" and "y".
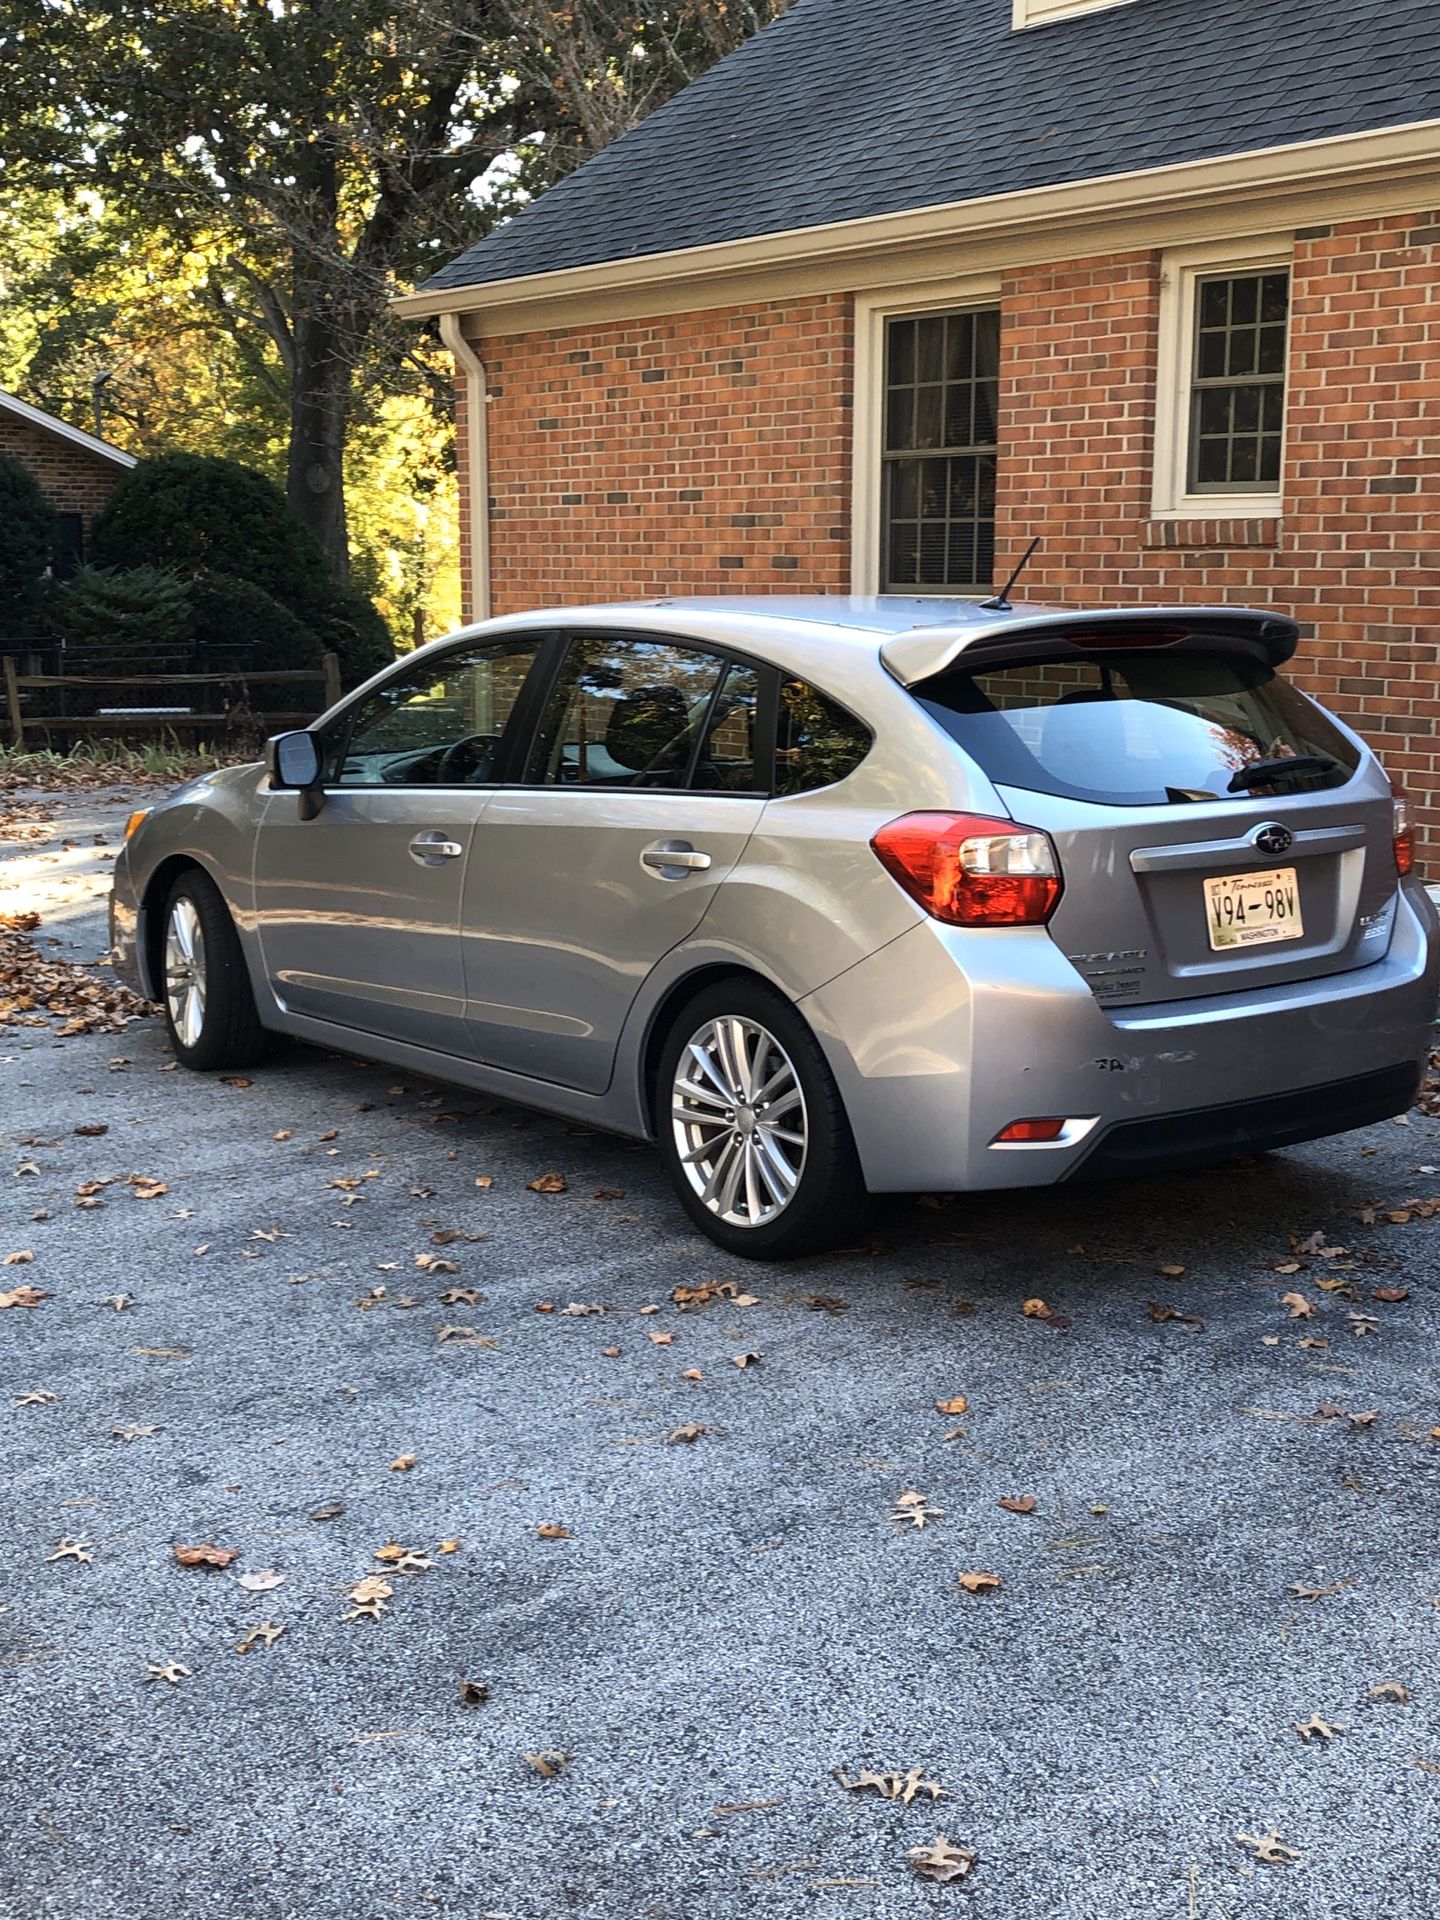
{"x": 358, "y": 908}
{"x": 642, "y": 786}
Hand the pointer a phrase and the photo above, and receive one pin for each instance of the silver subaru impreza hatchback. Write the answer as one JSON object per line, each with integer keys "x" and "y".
{"x": 829, "y": 898}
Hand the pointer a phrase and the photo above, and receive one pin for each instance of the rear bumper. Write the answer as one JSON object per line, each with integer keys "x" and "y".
{"x": 945, "y": 1037}
{"x": 1199, "y": 1139}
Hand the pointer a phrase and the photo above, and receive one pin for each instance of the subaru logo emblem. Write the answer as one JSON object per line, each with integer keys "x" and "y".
{"x": 1273, "y": 838}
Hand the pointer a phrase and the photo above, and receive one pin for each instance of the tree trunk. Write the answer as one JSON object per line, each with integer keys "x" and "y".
{"x": 319, "y": 404}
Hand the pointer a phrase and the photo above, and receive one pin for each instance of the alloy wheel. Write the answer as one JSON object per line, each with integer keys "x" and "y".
{"x": 185, "y": 971}
{"x": 740, "y": 1123}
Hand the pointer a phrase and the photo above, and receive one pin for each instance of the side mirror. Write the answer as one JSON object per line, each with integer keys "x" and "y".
{"x": 293, "y": 761}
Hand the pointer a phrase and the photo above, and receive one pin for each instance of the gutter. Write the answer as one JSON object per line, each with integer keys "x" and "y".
{"x": 477, "y": 459}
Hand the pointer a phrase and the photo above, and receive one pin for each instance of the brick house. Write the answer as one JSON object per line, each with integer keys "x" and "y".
{"x": 893, "y": 289}
{"x": 76, "y": 472}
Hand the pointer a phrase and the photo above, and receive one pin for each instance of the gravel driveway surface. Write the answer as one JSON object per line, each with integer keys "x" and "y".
{"x": 248, "y": 1337}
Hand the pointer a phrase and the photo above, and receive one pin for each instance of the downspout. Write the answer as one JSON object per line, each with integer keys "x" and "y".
{"x": 477, "y": 459}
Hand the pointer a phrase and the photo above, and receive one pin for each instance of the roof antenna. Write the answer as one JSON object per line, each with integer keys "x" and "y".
{"x": 1001, "y": 602}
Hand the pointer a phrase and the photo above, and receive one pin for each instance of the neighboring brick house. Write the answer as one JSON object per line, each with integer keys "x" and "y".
{"x": 76, "y": 472}
{"x": 896, "y": 287}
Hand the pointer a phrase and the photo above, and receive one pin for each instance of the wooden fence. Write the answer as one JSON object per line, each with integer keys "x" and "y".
{"x": 152, "y": 718}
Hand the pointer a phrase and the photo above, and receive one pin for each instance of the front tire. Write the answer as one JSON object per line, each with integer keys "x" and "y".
{"x": 209, "y": 1006}
{"x": 752, "y": 1128}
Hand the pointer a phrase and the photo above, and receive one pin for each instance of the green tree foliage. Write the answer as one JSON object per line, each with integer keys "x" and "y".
{"x": 142, "y": 610}
{"x": 219, "y": 197}
{"x": 27, "y": 535}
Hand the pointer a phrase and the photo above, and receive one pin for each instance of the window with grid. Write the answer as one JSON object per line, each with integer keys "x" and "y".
{"x": 1237, "y": 404}
{"x": 940, "y": 446}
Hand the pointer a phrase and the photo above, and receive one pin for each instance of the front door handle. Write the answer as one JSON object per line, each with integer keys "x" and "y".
{"x": 431, "y": 848}
{"x": 673, "y": 859}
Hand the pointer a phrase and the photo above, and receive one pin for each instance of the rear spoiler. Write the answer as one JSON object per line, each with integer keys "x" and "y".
{"x": 924, "y": 652}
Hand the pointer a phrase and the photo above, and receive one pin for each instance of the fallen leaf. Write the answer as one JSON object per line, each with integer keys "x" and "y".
{"x": 704, "y": 1295}
{"x": 38, "y": 1397}
{"x": 169, "y": 1671}
{"x": 403, "y": 1465}
{"x": 1363, "y": 1419}
{"x": 368, "y": 1598}
{"x": 331, "y": 1510}
{"x": 1318, "y": 1593}
{"x": 1036, "y": 1310}
{"x": 1389, "y": 1690}
{"x": 942, "y": 1860}
{"x": 235, "y": 1080}
{"x": 549, "y": 1762}
{"x": 68, "y": 1549}
{"x": 119, "y": 1301}
{"x": 461, "y": 1297}
{"x": 611, "y": 1353}
{"x": 911, "y": 1509}
{"x": 957, "y": 1403}
{"x": 685, "y": 1435}
{"x": 1300, "y": 1307}
{"x": 743, "y": 1360}
{"x": 1171, "y": 1273}
{"x": 692, "y": 1373}
{"x": 1270, "y": 1849}
{"x": 473, "y": 1693}
{"x": 552, "y": 1530}
{"x": 826, "y": 1303}
{"x": 661, "y": 1339}
{"x": 548, "y": 1183}
{"x": 979, "y": 1582}
{"x": 1317, "y": 1729}
{"x": 435, "y": 1263}
{"x": 205, "y": 1555}
{"x": 404, "y": 1559}
{"x": 24, "y": 1297}
{"x": 24, "y": 1258}
{"x": 484, "y": 1180}
{"x": 1021, "y": 1503}
{"x": 91, "y": 1132}
{"x": 266, "y": 1634}
{"x": 1390, "y": 1296}
{"x": 450, "y": 1546}
{"x": 144, "y": 1188}
{"x": 892, "y": 1784}
{"x": 264, "y": 1581}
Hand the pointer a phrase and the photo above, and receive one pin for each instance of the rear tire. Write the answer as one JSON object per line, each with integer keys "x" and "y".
{"x": 209, "y": 1006}
{"x": 752, "y": 1129}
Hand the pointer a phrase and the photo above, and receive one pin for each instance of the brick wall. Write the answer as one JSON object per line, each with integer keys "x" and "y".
{"x": 704, "y": 453}
{"x": 710, "y": 453}
{"x": 1357, "y": 555}
{"x": 72, "y": 480}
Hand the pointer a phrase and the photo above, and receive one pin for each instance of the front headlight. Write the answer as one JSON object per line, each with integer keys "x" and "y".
{"x": 136, "y": 819}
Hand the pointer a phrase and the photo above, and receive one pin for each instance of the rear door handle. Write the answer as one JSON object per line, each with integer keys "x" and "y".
{"x": 673, "y": 859}
{"x": 431, "y": 848}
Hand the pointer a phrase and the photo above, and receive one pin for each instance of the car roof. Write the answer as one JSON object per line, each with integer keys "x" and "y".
{"x": 913, "y": 638}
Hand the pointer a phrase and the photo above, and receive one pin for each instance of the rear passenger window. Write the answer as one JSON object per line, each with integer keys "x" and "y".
{"x": 625, "y": 713}
{"x": 726, "y": 763}
{"x": 816, "y": 742}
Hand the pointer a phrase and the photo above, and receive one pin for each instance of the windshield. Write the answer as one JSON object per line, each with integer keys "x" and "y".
{"x": 1136, "y": 729}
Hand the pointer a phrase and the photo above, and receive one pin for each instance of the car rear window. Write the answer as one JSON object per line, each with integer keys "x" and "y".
{"x": 1140, "y": 728}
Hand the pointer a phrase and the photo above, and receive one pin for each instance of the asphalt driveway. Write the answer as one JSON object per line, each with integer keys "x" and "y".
{"x": 319, "y": 1311}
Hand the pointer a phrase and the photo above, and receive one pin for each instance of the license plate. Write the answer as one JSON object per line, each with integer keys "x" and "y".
{"x": 1252, "y": 909}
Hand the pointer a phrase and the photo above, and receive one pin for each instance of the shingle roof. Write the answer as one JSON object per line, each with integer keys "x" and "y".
{"x": 848, "y": 108}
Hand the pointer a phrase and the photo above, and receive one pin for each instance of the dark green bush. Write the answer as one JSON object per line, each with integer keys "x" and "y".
{"x": 252, "y": 626}
{"x": 200, "y": 515}
{"x": 27, "y": 534}
{"x": 144, "y": 611}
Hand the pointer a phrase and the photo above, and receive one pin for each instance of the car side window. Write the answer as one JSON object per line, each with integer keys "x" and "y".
{"x": 625, "y": 712}
{"x": 726, "y": 761}
{"x": 816, "y": 741}
{"x": 440, "y": 725}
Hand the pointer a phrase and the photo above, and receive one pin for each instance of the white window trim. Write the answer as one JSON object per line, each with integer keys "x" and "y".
{"x": 1039, "y": 13}
{"x": 1179, "y": 271}
{"x": 871, "y": 313}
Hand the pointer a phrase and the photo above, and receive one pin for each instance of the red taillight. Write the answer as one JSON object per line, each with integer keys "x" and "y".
{"x": 1022, "y": 1131}
{"x": 1404, "y": 837}
{"x": 971, "y": 871}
